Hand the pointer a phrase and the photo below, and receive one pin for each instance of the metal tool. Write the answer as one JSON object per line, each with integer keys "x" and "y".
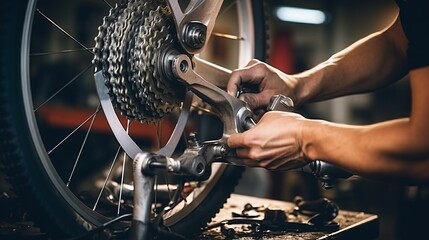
{"x": 275, "y": 220}
{"x": 280, "y": 103}
{"x": 321, "y": 210}
{"x": 277, "y": 103}
{"x": 249, "y": 211}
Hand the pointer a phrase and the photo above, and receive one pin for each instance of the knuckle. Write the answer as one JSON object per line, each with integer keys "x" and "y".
{"x": 235, "y": 75}
{"x": 254, "y": 61}
{"x": 260, "y": 65}
{"x": 266, "y": 165}
{"x": 255, "y": 155}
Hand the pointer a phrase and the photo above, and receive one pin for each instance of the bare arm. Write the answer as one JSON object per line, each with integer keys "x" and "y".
{"x": 392, "y": 150}
{"x": 368, "y": 64}
{"x": 396, "y": 149}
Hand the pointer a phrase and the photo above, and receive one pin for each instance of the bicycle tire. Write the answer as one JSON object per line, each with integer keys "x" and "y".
{"x": 31, "y": 177}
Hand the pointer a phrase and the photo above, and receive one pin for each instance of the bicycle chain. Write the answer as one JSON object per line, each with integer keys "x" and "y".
{"x": 127, "y": 49}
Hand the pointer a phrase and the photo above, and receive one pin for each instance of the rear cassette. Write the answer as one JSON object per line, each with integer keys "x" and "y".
{"x": 128, "y": 46}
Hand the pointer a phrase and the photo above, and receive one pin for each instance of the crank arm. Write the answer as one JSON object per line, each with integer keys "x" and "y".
{"x": 215, "y": 74}
{"x": 234, "y": 112}
{"x": 195, "y": 24}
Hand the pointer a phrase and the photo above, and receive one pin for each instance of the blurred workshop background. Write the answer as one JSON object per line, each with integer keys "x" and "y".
{"x": 295, "y": 45}
{"x": 300, "y": 43}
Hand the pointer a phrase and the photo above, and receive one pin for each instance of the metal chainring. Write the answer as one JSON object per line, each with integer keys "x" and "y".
{"x": 127, "y": 49}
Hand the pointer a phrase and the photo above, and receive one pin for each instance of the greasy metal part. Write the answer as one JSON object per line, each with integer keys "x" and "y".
{"x": 195, "y": 34}
{"x": 321, "y": 210}
{"x": 194, "y": 163}
{"x": 198, "y": 11}
{"x": 327, "y": 173}
{"x": 277, "y": 103}
{"x": 154, "y": 164}
{"x": 274, "y": 221}
{"x": 127, "y": 48}
{"x": 144, "y": 181}
{"x": 246, "y": 120}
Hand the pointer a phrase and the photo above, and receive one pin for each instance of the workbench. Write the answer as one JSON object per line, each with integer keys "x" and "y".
{"x": 352, "y": 225}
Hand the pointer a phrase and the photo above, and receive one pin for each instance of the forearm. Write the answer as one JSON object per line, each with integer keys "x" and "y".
{"x": 394, "y": 149}
{"x": 370, "y": 63}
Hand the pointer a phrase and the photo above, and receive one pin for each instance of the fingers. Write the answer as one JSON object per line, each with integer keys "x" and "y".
{"x": 272, "y": 163}
{"x": 236, "y": 140}
{"x": 254, "y": 100}
{"x": 252, "y": 73}
{"x": 245, "y": 147}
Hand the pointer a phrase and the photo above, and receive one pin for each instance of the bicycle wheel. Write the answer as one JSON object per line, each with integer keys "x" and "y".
{"x": 57, "y": 145}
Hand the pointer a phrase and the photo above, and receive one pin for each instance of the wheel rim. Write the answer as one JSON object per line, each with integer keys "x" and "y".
{"x": 33, "y": 113}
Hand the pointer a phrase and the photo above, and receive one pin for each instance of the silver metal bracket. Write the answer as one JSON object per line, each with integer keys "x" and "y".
{"x": 189, "y": 21}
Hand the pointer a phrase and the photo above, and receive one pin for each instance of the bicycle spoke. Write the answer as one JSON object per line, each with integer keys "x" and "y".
{"x": 107, "y": 3}
{"x": 123, "y": 172}
{"x": 59, "y": 52}
{"x": 228, "y": 36}
{"x": 74, "y": 131}
{"x": 159, "y": 134}
{"x": 227, "y": 8}
{"x": 107, "y": 178}
{"x": 65, "y": 32}
{"x": 224, "y": 35}
{"x": 83, "y": 145}
{"x": 168, "y": 187}
{"x": 63, "y": 87}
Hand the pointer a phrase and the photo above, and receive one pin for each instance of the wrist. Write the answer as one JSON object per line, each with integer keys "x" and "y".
{"x": 306, "y": 86}
{"x": 310, "y": 138}
{"x": 301, "y": 93}
{"x": 309, "y": 85}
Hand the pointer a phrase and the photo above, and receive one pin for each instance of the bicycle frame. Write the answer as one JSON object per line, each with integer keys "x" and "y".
{"x": 195, "y": 23}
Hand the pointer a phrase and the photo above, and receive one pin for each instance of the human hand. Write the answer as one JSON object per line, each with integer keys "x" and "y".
{"x": 274, "y": 143}
{"x": 270, "y": 80}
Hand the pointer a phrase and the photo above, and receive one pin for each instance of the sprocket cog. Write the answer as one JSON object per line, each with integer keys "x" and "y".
{"x": 127, "y": 51}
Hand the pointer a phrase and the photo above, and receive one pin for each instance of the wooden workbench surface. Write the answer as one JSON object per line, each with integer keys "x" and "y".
{"x": 353, "y": 225}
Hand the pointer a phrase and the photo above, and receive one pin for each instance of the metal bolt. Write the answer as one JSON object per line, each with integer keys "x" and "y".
{"x": 184, "y": 66}
{"x": 193, "y": 141}
{"x": 195, "y": 35}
